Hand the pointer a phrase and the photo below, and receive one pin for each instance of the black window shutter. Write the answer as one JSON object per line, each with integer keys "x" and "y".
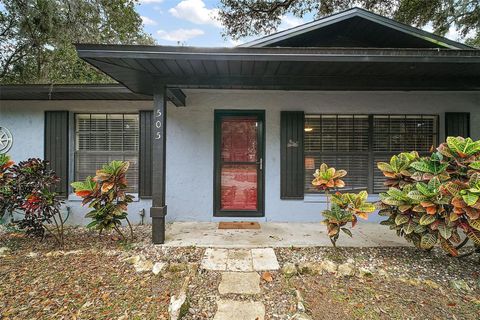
{"x": 145, "y": 156}
{"x": 56, "y": 146}
{"x": 457, "y": 124}
{"x": 291, "y": 155}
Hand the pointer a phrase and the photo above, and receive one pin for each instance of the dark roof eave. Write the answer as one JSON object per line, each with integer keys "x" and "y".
{"x": 140, "y": 67}
{"x": 69, "y": 92}
{"x": 83, "y": 92}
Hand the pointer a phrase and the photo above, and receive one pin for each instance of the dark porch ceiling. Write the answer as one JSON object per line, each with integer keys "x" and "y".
{"x": 141, "y": 68}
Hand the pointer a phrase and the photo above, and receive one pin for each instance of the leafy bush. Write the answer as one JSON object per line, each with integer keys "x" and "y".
{"x": 106, "y": 195}
{"x": 26, "y": 188}
{"x": 345, "y": 207}
{"x": 432, "y": 199}
{"x": 7, "y": 203}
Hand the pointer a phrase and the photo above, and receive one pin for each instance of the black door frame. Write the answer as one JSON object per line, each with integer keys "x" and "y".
{"x": 260, "y": 212}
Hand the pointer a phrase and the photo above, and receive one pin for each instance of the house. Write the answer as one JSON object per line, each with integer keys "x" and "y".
{"x": 236, "y": 133}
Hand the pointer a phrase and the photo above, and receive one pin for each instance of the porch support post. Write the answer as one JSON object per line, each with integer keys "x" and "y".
{"x": 158, "y": 211}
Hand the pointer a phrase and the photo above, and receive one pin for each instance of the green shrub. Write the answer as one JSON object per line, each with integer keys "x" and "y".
{"x": 26, "y": 189}
{"x": 345, "y": 207}
{"x": 106, "y": 195}
{"x": 7, "y": 199}
{"x": 436, "y": 197}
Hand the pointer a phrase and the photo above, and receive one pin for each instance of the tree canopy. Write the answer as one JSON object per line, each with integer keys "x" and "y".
{"x": 37, "y": 37}
{"x": 242, "y": 18}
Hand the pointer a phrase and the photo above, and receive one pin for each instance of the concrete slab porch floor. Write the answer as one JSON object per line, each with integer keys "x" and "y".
{"x": 277, "y": 234}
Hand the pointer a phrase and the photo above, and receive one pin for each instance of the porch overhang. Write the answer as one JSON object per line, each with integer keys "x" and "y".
{"x": 141, "y": 68}
{"x": 111, "y": 91}
{"x": 152, "y": 70}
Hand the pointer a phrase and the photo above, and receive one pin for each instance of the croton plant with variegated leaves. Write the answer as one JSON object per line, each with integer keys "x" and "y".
{"x": 435, "y": 199}
{"x": 342, "y": 208}
{"x": 106, "y": 195}
{"x": 6, "y": 180}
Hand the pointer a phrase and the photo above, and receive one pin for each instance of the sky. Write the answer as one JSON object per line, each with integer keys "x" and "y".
{"x": 190, "y": 22}
{"x": 193, "y": 23}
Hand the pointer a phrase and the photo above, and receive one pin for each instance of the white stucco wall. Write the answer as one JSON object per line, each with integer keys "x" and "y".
{"x": 190, "y": 138}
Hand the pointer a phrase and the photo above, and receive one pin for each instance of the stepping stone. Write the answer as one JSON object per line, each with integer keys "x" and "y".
{"x": 239, "y": 260}
{"x": 239, "y": 283}
{"x": 215, "y": 259}
{"x": 239, "y": 310}
{"x": 264, "y": 259}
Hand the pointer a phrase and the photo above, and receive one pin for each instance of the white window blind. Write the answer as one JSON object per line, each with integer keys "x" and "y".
{"x": 101, "y": 138}
{"x": 357, "y": 142}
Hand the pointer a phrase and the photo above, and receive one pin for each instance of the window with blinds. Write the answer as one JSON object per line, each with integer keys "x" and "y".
{"x": 357, "y": 142}
{"x": 393, "y": 134}
{"x": 101, "y": 138}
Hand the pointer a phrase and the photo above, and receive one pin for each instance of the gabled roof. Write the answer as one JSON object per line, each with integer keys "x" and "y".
{"x": 358, "y": 28}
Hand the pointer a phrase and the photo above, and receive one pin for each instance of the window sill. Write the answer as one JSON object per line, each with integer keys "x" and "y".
{"x": 321, "y": 198}
{"x": 74, "y": 198}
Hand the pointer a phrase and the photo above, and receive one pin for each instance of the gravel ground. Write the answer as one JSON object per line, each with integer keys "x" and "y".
{"x": 398, "y": 262}
{"x": 278, "y": 296}
{"x": 91, "y": 279}
{"x": 405, "y": 284}
{"x": 203, "y": 295}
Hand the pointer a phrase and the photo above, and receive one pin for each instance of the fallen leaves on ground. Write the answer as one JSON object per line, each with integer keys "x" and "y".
{"x": 88, "y": 279}
{"x": 405, "y": 283}
{"x": 267, "y": 276}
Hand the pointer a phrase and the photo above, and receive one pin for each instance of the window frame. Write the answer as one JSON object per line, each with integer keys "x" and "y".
{"x": 123, "y": 152}
{"x": 371, "y": 153}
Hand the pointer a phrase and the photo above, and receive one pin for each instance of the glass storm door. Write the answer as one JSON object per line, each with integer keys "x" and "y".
{"x": 239, "y": 164}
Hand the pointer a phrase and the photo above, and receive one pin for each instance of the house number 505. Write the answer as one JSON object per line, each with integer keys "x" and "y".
{"x": 158, "y": 125}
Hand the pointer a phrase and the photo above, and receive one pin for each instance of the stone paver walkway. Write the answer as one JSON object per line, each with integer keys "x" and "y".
{"x": 239, "y": 310}
{"x": 243, "y": 260}
{"x": 239, "y": 283}
{"x": 240, "y": 277}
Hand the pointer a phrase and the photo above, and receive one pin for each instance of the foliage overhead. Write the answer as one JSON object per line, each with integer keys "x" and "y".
{"x": 243, "y": 18}
{"x": 345, "y": 206}
{"x": 439, "y": 197}
{"x": 37, "y": 37}
{"x": 106, "y": 195}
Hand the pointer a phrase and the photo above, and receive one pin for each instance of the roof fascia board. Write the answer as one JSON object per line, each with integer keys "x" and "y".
{"x": 290, "y": 55}
{"x": 355, "y": 12}
{"x": 175, "y": 95}
{"x": 77, "y": 88}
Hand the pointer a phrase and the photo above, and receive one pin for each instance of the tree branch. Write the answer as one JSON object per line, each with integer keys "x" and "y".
{"x": 12, "y": 59}
{"x": 274, "y": 6}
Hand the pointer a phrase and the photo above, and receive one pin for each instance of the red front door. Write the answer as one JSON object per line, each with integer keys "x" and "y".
{"x": 239, "y": 163}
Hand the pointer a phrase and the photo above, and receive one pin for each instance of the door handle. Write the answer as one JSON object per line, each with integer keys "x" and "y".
{"x": 260, "y": 163}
